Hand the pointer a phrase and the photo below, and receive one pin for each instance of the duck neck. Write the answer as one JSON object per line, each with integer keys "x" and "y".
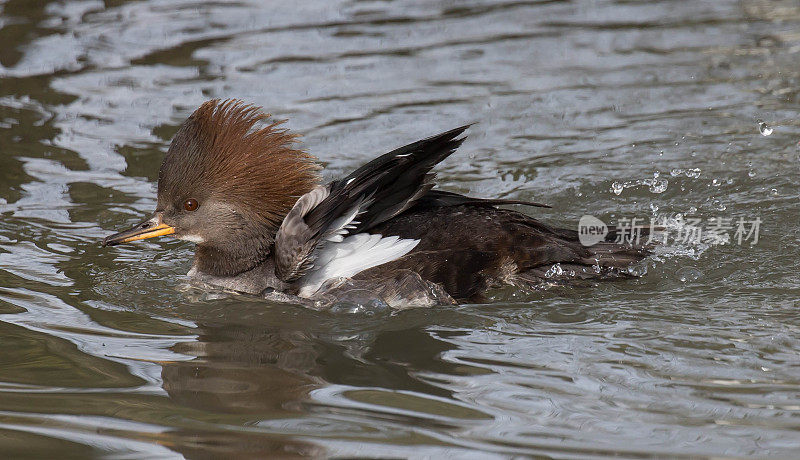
{"x": 233, "y": 259}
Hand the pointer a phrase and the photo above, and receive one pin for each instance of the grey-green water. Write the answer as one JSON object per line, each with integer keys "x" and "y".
{"x": 105, "y": 352}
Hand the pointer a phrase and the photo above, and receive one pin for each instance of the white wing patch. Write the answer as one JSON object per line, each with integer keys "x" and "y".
{"x": 340, "y": 227}
{"x": 351, "y": 255}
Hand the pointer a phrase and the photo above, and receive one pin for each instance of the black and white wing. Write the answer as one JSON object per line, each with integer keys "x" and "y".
{"x": 323, "y": 236}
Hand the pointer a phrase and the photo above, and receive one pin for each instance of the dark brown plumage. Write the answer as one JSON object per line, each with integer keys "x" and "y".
{"x": 474, "y": 247}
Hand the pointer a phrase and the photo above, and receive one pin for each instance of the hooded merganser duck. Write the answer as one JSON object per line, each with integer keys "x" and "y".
{"x": 235, "y": 184}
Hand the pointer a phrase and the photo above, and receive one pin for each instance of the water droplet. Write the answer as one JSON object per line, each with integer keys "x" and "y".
{"x": 653, "y": 208}
{"x": 774, "y": 192}
{"x": 656, "y": 174}
{"x": 689, "y": 274}
{"x": 764, "y": 129}
{"x": 694, "y": 173}
{"x": 751, "y": 173}
{"x": 718, "y": 205}
{"x": 637, "y": 269}
{"x": 617, "y": 188}
{"x": 659, "y": 186}
{"x": 691, "y": 210}
{"x": 555, "y": 270}
{"x": 676, "y": 172}
{"x": 716, "y": 182}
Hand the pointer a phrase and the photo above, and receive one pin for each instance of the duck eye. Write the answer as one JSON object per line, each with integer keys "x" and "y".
{"x": 191, "y": 204}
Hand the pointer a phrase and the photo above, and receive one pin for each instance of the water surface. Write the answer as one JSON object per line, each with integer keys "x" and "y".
{"x": 106, "y": 352}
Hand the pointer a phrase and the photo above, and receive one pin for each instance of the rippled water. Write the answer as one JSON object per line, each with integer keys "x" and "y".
{"x": 606, "y": 108}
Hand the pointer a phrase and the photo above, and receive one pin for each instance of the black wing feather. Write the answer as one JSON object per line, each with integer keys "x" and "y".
{"x": 391, "y": 182}
{"x": 443, "y": 198}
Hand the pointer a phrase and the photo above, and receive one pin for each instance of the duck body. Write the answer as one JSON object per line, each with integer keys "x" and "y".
{"x": 264, "y": 225}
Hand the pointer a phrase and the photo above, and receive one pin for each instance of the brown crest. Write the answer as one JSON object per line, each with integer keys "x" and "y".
{"x": 234, "y": 152}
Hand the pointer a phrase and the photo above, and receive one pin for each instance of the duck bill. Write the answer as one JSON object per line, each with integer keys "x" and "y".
{"x": 150, "y": 228}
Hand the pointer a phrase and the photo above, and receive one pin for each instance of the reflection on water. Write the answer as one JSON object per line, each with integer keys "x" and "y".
{"x": 608, "y": 108}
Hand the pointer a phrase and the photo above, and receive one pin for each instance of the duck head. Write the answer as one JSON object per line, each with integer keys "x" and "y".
{"x": 229, "y": 178}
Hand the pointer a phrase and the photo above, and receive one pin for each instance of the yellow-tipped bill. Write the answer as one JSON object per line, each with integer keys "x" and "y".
{"x": 150, "y": 228}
